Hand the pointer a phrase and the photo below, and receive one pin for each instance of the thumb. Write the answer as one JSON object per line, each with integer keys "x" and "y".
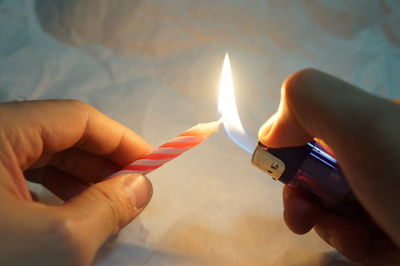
{"x": 104, "y": 208}
{"x": 352, "y": 122}
{"x": 315, "y": 104}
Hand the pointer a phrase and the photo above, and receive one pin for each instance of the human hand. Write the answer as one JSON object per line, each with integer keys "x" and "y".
{"x": 363, "y": 130}
{"x": 68, "y": 147}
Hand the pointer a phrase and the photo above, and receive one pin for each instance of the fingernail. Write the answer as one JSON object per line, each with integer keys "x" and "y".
{"x": 334, "y": 242}
{"x": 266, "y": 128}
{"x": 139, "y": 189}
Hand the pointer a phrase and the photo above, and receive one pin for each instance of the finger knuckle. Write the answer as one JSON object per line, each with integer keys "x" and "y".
{"x": 80, "y": 104}
{"x": 298, "y": 82}
{"x": 113, "y": 207}
{"x": 83, "y": 106}
{"x": 67, "y": 241}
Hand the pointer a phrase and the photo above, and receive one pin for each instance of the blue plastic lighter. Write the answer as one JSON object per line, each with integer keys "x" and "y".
{"x": 313, "y": 170}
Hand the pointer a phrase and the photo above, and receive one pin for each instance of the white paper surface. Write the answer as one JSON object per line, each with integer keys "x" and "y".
{"x": 154, "y": 65}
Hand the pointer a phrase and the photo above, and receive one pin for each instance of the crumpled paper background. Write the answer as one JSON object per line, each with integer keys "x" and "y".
{"x": 154, "y": 65}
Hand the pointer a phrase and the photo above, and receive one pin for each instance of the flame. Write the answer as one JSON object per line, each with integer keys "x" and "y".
{"x": 228, "y": 110}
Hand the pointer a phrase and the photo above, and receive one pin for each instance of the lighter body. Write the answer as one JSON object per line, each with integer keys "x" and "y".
{"x": 311, "y": 169}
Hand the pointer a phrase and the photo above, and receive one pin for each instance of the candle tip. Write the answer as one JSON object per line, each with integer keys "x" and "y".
{"x": 209, "y": 127}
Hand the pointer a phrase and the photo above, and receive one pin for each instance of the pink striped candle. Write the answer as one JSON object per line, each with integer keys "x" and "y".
{"x": 171, "y": 149}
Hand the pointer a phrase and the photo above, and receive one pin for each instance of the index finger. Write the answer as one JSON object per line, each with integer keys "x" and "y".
{"x": 52, "y": 126}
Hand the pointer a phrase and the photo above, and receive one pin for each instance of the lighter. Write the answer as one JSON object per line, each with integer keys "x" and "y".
{"x": 313, "y": 170}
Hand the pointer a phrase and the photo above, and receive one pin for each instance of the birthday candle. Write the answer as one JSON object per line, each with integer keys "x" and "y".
{"x": 171, "y": 149}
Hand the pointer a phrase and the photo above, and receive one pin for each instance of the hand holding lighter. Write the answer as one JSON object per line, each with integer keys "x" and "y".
{"x": 312, "y": 170}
